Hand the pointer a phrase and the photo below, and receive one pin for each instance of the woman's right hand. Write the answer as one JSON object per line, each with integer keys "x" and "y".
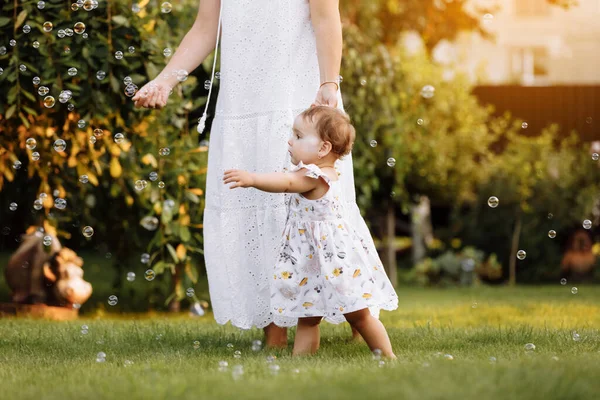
{"x": 153, "y": 94}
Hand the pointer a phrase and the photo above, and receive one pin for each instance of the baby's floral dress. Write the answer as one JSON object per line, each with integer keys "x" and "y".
{"x": 324, "y": 268}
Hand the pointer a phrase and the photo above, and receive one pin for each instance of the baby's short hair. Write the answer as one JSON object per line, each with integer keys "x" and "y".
{"x": 332, "y": 125}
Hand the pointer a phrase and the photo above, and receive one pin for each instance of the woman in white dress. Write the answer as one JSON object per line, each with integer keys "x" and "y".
{"x": 277, "y": 58}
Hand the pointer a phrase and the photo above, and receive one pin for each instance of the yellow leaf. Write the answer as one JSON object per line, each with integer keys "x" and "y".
{"x": 197, "y": 191}
{"x": 115, "y": 150}
{"x": 129, "y": 200}
{"x": 199, "y": 226}
{"x": 182, "y": 209}
{"x": 92, "y": 179}
{"x": 181, "y": 180}
{"x": 126, "y": 145}
{"x": 149, "y": 27}
{"x": 49, "y": 228}
{"x": 201, "y": 171}
{"x": 149, "y": 159}
{"x": 184, "y": 220}
{"x": 72, "y": 161}
{"x": 143, "y": 3}
{"x": 115, "y": 168}
{"x": 181, "y": 251}
{"x": 157, "y": 208}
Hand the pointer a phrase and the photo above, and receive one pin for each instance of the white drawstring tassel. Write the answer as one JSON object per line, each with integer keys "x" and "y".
{"x": 202, "y": 120}
{"x": 202, "y": 123}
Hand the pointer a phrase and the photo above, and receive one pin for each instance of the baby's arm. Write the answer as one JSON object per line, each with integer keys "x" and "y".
{"x": 274, "y": 182}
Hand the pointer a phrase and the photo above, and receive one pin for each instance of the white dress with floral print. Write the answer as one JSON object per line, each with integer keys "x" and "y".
{"x": 324, "y": 267}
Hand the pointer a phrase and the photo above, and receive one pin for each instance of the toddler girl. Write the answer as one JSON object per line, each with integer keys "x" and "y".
{"x": 324, "y": 268}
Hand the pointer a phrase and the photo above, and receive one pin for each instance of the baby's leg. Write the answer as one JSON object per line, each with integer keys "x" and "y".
{"x": 308, "y": 336}
{"x": 372, "y": 330}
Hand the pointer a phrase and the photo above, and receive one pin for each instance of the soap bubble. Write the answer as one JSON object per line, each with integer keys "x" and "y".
{"x": 373, "y": 143}
{"x": 145, "y": 258}
{"x": 119, "y": 137}
{"x": 43, "y": 90}
{"x": 131, "y": 276}
{"x": 26, "y": 28}
{"x": 521, "y": 254}
{"x": 140, "y": 185}
{"x": 13, "y": 206}
{"x": 530, "y": 347}
{"x": 563, "y": 281}
{"x": 60, "y": 145}
{"x": 49, "y": 101}
{"x": 47, "y": 26}
{"x": 256, "y": 345}
{"x": 493, "y": 202}
{"x": 587, "y": 224}
{"x": 167, "y": 52}
{"x": 31, "y": 143}
{"x": 113, "y": 300}
{"x": 119, "y": 55}
{"x": 182, "y": 75}
{"x": 391, "y": 162}
{"x": 60, "y": 203}
{"x": 574, "y": 290}
{"x": 38, "y": 204}
{"x": 427, "y": 91}
{"x": 130, "y": 90}
{"x": 149, "y": 275}
{"x": 64, "y": 96}
{"x": 88, "y": 231}
{"x": 79, "y": 28}
{"x": 524, "y": 125}
{"x": 72, "y": 71}
{"x": 166, "y": 7}
{"x": 84, "y": 179}
{"x": 377, "y": 354}
{"x": 100, "y": 75}
{"x": 35, "y": 156}
{"x": 551, "y": 234}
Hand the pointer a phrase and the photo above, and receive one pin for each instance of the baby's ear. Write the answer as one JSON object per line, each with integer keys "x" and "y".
{"x": 326, "y": 147}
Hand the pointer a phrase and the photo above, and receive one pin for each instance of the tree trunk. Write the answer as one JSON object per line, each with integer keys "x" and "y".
{"x": 390, "y": 246}
{"x": 512, "y": 280}
{"x": 175, "y": 304}
{"x": 422, "y": 230}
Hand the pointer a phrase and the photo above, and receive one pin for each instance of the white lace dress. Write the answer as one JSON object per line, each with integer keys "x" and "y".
{"x": 269, "y": 74}
{"x": 324, "y": 267}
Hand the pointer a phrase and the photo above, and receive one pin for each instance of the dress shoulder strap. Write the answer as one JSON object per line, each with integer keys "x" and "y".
{"x": 312, "y": 171}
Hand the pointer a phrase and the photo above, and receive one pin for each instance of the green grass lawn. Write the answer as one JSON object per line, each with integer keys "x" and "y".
{"x": 152, "y": 356}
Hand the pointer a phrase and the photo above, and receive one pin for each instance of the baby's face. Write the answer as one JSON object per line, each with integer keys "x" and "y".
{"x": 304, "y": 142}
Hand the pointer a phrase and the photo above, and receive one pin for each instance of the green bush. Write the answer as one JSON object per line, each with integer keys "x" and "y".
{"x": 110, "y": 201}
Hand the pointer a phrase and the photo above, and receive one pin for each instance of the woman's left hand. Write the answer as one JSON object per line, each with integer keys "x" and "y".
{"x": 326, "y": 96}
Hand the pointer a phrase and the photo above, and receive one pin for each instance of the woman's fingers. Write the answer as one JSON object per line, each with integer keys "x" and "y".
{"x": 153, "y": 99}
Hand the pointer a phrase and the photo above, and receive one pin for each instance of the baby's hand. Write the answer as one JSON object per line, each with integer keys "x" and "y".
{"x": 239, "y": 178}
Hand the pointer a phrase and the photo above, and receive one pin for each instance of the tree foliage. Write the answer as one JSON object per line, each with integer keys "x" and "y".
{"x": 113, "y": 200}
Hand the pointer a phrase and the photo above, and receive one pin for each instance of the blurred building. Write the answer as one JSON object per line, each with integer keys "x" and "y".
{"x": 536, "y": 44}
